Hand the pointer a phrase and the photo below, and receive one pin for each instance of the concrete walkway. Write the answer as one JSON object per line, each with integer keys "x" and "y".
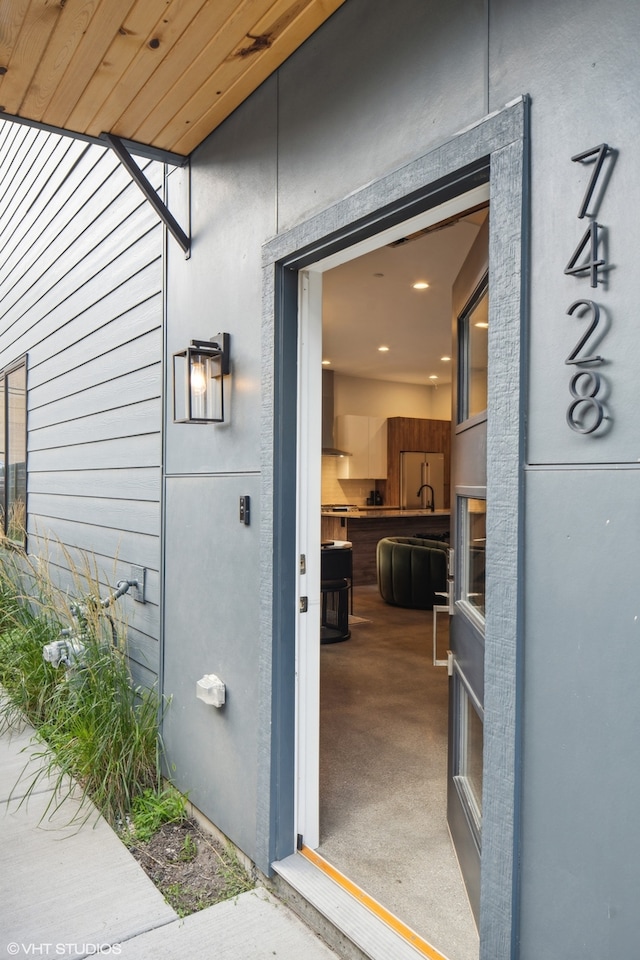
{"x": 69, "y": 891}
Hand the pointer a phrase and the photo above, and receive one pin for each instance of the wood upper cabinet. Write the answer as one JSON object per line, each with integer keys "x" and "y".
{"x": 365, "y": 438}
{"x": 413, "y": 433}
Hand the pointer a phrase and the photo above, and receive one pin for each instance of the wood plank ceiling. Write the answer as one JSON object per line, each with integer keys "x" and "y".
{"x": 163, "y": 73}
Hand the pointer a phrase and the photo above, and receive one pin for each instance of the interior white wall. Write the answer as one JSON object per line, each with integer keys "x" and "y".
{"x": 382, "y": 398}
{"x": 440, "y": 398}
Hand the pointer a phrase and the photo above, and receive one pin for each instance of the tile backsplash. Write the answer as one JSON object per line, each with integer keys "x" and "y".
{"x": 343, "y": 491}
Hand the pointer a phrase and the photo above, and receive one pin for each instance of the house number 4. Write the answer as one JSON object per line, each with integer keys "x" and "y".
{"x": 586, "y": 410}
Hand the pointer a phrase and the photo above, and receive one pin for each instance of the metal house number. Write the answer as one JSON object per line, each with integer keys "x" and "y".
{"x": 586, "y": 410}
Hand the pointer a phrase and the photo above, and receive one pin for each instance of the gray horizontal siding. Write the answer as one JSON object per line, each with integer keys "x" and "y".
{"x": 19, "y": 227}
{"x": 68, "y": 298}
{"x": 32, "y": 269}
{"x": 67, "y": 361}
{"x": 81, "y": 295}
{"x": 123, "y": 515}
{"x": 107, "y": 367}
{"x": 141, "y": 418}
{"x": 88, "y": 184}
{"x": 89, "y": 308}
{"x": 18, "y": 180}
{"x": 106, "y": 542}
{"x": 136, "y": 484}
{"x": 124, "y": 452}
{"x": 138, "y": 385}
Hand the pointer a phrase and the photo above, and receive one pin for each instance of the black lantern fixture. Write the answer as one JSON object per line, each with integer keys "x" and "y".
{"x": 198, "y": 394}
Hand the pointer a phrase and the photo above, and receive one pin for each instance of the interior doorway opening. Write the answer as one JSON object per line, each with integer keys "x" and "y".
{"x": 383, "y": 704}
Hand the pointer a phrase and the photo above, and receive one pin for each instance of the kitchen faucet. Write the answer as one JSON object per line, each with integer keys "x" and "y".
{"x": 431, "y": 505}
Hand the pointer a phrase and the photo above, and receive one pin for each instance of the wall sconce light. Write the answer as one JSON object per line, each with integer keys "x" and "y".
{"x": 198, "y": 394}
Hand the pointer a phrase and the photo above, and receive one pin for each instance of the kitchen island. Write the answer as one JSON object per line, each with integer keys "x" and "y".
{"x": 364, "y": 526}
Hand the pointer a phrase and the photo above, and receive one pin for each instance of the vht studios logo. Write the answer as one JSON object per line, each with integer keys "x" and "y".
{"x": 63, "y": 949}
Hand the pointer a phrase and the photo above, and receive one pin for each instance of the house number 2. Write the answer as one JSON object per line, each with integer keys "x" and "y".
{"x": 586, "y": 410}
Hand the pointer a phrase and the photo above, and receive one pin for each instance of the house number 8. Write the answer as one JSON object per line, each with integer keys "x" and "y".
{"x": 586, "y": 412}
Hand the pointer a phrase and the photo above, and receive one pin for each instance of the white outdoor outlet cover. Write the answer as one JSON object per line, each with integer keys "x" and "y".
{"x": 211, "y": 689}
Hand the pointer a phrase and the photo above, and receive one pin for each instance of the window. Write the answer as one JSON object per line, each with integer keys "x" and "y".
{"x": 13, "y": 451}
{"x": 472, "y": 519}
{"x": 473, "y": 328}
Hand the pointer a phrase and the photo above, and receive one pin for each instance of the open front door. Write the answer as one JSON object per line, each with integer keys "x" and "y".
{"x": 469, "y": 492}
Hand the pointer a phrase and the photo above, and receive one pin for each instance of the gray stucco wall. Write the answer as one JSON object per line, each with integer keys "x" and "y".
{"x": 212, "y": 562}
{"x": 579, "y": 852}
{"x": 376, "y": 87}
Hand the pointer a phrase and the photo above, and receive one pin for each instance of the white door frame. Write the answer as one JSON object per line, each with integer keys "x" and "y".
{"x": 309, "y": 471}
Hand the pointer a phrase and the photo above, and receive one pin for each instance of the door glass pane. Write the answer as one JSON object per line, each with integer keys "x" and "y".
{"x": 473, "y": 757}
{"x": 468, "y": 767}
{"x": 473, "y": 344}
{"x": 16, "y": 478}
{"x": 472, "y": 519}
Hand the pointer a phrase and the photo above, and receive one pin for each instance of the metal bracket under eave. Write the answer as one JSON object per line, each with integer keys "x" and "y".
{"x": 138, "y": 176}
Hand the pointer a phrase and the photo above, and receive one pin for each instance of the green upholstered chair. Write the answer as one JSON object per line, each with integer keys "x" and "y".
{"x": 411, "y": 571}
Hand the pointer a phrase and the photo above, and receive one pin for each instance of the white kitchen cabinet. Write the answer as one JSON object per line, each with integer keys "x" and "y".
{"x": 365, "y": 438}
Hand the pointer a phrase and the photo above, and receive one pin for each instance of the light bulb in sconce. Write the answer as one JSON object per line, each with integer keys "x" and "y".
{"x": 198, "y": 379}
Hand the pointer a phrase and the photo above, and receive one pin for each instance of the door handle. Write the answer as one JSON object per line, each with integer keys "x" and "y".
{"x": 447, "y": 607}
{"x": 447, "y": 595}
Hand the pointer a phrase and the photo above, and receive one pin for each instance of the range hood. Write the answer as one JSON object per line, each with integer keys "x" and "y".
{"x": 328, "y": 445}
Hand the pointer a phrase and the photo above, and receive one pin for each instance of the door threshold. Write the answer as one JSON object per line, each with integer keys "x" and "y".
{"x": 376, "y": 933}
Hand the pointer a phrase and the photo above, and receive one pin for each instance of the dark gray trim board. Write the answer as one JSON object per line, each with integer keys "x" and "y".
{"x": 275, "y": 800}
{"x": 495, "y": 148}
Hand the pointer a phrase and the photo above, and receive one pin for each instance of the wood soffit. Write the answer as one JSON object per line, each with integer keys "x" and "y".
{"x": 161, "y": 73}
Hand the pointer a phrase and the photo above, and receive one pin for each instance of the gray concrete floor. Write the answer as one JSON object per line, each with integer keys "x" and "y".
{"x": 383, "y": 767}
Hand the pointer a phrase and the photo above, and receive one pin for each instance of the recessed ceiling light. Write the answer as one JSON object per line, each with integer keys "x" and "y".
{"x": 326, "y": 363}
{"x": 383, "y": 349}
{"x": 445, "y": 358}
{"x": 433, "y": 376}
{"x": 420, "y": 285}
{"x": 482, "y": 325}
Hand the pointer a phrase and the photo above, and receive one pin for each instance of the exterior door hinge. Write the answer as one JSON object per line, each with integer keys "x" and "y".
{"x": 304, "y": 604}
{"x": 303, "y": 563}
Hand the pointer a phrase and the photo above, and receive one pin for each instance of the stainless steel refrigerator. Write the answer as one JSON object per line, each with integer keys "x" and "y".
{"x": 420, "y": 470}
